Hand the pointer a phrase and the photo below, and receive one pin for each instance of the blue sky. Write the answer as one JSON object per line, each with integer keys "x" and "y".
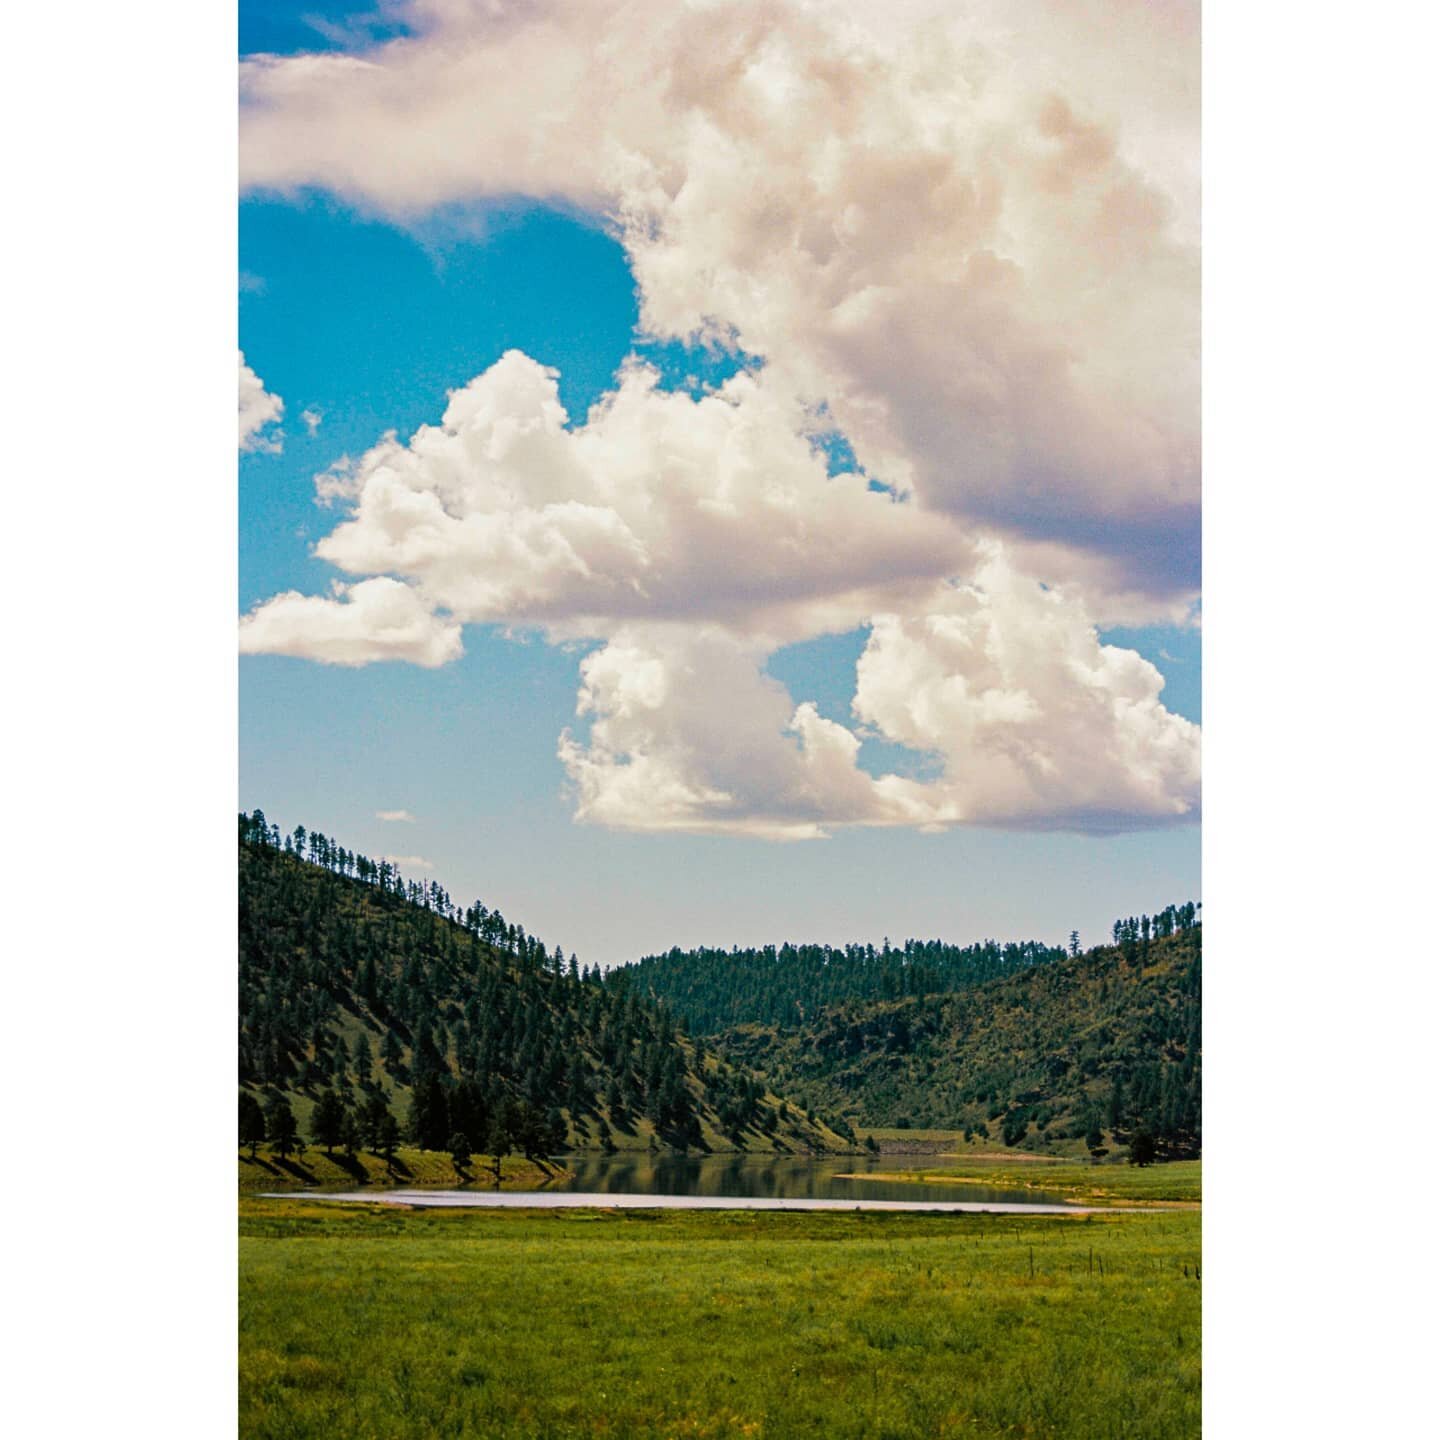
{"x": 366, "y": 313}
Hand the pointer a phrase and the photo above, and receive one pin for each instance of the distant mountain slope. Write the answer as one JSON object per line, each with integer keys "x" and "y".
{"x": 361, "y": 992}
{"x": 1078, "y": 1053}
{"x": 713, "y": 990}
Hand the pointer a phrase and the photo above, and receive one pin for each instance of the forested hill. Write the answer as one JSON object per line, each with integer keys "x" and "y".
{"x": 1085, "y": 1052}
{"x": 370, "y": 1003}
{"x": 713, "y": 990}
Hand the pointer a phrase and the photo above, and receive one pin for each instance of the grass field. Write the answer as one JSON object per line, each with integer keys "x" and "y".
{"x": 1177, "y": 1182}
{"x": 411, "y": 1168}
{"x": 381, "y": 1324}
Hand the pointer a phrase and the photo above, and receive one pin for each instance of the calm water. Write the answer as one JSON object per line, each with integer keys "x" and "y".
{"x": 769, "y": 1177}
{"x": 758, "y": 1182}
{"x": 622, "y": 1200}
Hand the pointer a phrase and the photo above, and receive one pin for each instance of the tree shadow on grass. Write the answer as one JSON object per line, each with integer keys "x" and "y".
{"x": 396, "y": 1168}
{"x": 295, "y": 1170}
{"x": 351, "y": 1165}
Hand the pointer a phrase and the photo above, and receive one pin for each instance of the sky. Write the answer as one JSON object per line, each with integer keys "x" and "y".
{"x": 720, "y": 473}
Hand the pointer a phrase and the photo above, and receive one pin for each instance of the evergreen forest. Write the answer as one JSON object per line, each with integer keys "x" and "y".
{"x": 374, "y": 1009}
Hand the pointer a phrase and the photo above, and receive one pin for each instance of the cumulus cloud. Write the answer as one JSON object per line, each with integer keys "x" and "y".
{"x": 688, "y": 734}
{"x": 377, "y": 619}
{"x": 694, "y": 536}
{"x": 1035, "y": 723}
{"x": 395, "y": 816}
{"x": 259, "y": 411}
{"x": 965, "y": 235}
{"x": 1035, "y": 720}
{"x": 969, "y": 230}
{"x": 660, "y": 506}
{"x": 312, "y": 419}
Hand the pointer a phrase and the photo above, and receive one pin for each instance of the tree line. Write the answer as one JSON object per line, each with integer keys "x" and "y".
{"x": 790, "y": 984}
{"x": 1104, "y": 1048}
{"x": 357, "y": 984}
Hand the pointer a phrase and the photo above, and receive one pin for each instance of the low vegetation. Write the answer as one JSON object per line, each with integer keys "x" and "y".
{"x": 1175, "y": 1183}
{"x": 368, "y": 1321}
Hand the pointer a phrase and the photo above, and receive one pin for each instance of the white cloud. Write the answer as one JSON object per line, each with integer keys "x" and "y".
{"x": 970, "y": 229}
{"x": 966, "y": 231}
{"x": 378, "y": 619}
{"x": 1033, "y": 721}
{"x": 259, "y": 410}
{"x": 395, "y": 816}
{"x": 409, "y": 862}
{"x": 688, "y": 734}
{"x": 312, "y": 419}
{"x": 694, "y": 537}
{"x": 660, "y": 506}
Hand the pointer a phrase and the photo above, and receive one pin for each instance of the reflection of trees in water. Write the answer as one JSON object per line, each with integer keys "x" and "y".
{"x": 761, "y": 1177}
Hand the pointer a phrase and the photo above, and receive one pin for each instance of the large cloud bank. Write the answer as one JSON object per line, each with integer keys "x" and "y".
{"x": 963, "y": 236}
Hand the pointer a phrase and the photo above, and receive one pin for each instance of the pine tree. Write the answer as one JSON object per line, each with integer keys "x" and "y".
{"x": 388, "y": 1137}
{"x": 350, "y": 1134}
{"x": 252, "y": 1122}
{"x": 328, "y": 1121}
{"x": 281, "y": 1129}
{"x": 459, "y": 1148}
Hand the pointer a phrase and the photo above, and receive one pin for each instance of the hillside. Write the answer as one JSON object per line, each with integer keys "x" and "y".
{"x": 711, "y": 990}
{"x": 1080, "y": 1053}
{"x": 363, "y": 996}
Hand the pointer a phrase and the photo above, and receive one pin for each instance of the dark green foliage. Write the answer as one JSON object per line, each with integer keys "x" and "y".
{"x": 459, "y": 1148}
{"x": 280, "y": 1128}
{"x": 1051, "y": 1053}
{"x": 341, "y": 960}
{"x": 327, "y": 1121}
{"x": 387, "y": 1137}
{"x": 252, "y": 1122}
{"x": 350, "y": 1137}
{"x": 713, "y": 990}
{"x": 1142, "y": 1147}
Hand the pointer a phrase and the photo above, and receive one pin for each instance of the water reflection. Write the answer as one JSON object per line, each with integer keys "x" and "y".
{"x": 775, "y": 1177}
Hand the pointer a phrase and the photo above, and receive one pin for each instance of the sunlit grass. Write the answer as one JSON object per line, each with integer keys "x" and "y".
{"x": 373, "y": 1322}
{"x": 1177, "y": 1182}
{"x": 408, "y": 1169}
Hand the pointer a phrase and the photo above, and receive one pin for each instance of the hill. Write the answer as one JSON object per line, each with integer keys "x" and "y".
{"x": 790, "y": 984}
{"x": 1084, "y": 1052}
{"x": 365, "y": 996}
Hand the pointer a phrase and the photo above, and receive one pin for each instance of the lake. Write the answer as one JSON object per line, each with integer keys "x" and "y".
{"x": 769, "y": 1177}
{"x": 744, "y": 1182}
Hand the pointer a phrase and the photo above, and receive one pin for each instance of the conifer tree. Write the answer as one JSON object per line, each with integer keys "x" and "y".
{"x": 252, "y": 1122}
{"x": 281, "y": 1129}
{"x": 328, "y": 1121}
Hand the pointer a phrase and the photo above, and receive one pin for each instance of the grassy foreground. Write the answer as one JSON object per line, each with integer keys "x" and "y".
{"x": 391, "y": 1324}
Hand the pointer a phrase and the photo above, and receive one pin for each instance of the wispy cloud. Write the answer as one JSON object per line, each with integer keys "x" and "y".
{"x": 410, "y": 862}
{"x": 395, "y": 815}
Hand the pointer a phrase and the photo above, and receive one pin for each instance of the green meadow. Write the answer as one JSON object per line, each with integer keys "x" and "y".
{"x": 375, "y": 1323}
{"x": 1175, "y": 1183}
